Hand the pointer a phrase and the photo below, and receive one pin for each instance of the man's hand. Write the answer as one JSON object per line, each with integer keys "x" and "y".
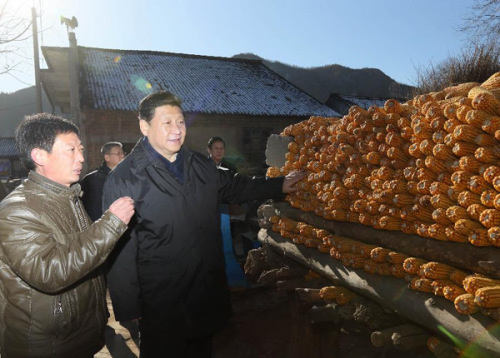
{"x": 123, "y": 208}
{"x": 291, "y": 179}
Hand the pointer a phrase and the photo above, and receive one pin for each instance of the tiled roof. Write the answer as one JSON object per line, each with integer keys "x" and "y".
{"x": 8, "y": 147}
{"x": 119, "y": 79}
{"x": 366, "y": 102}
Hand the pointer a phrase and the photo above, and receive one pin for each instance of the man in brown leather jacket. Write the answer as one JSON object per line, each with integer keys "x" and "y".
{"x": 52, "y": 291}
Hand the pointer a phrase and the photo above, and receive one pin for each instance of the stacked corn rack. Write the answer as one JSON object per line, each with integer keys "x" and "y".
{"x": 426, "y": 173}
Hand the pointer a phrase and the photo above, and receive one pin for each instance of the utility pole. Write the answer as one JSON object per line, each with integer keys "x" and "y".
{"x": 38, "y": 87}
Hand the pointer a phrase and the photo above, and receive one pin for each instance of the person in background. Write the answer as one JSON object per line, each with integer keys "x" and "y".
{"x": 93, "y": 182}
{"x": 170, "y": 273}
{"x": 216, "y": 149}
{"x": 52, "y": 290}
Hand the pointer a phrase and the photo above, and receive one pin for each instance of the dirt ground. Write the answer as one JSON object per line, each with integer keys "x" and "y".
{"x": 261, "y": 327}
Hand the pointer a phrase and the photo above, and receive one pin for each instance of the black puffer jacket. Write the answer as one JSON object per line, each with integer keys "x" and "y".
{"x": 52, "y": 291}
{"x": 92, "y": 185}
{"x": 171, "y": 270}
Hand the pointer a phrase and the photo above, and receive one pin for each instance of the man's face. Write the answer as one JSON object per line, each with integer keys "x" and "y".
{"x": 64, "y": 163}
{"x": 114, "y": 157}
{"x": 217, "y": 151}
{"x": 166, "y": 131}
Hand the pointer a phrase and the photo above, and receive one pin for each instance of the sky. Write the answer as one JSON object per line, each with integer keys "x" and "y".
{"x": 395, "y": 36}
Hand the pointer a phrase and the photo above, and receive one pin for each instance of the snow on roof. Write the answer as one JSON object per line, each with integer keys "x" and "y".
{"x": 119, "y": 79}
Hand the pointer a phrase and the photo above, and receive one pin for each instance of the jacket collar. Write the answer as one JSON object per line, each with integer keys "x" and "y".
{"x": 142, "y": 158}
{"x": 53, "y": 187}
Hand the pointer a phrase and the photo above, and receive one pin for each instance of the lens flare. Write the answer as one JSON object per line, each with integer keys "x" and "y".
{"x": 141, "y": 84}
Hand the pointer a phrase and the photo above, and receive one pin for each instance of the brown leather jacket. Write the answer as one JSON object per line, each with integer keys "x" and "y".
{"x": 52, "y": 291}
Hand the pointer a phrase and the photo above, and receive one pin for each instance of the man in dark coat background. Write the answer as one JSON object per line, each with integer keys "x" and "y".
{"x": 170, "y": 273}
{"x": 93, "y": 183}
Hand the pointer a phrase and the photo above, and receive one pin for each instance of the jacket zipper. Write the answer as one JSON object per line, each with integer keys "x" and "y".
{"x": 58, "y": 310}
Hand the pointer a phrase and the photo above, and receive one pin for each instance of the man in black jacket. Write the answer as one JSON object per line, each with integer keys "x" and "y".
{"x": 170, "y": 273}
{"x": 93, "y": 182}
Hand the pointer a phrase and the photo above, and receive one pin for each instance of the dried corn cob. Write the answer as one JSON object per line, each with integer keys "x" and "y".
{"x": 461, "y": 148}
{"x": 478, "y": 185}
{"x": 488, "y": 198}
{"x": 467, "y": 198}
{"x": 479, "y": 237}
{"x": 422, "y": 284}
{"x": 488, "y": 297}
{"x": 486, "y": 155}
{"x": 453, "y": 235}
{"x": 490, "y": 218}
{"x": 458, "y": 277}
{"x": 475, "y": 210}
{"x": 464, "y": 304}
{"x": 474, "y": 282}
{"x": 436, "y": 270}
{"x": 494, "y": 235}
{"x": 455, "y": 213}
{"x": 437, "y": 232}
{"x": 412, "y": 265}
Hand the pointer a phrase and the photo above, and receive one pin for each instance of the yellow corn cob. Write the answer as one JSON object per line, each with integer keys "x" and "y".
{"x": 474, "y": 282}
{"x": 462, "y": 111}
{"x": 486, "y": 155}
{"x": 345, "y": 297}
{"x": 437, "y": 123}
{"x": 476, "y": 118}
{"x": 446, "y": 177}
{"x": 453, "y": 235}
{"x": 461, "y": 148}
{"x": 452, "y": 291}
{"x": 275, "y": 228}
{"x": 478, "y": 185}
{"x": 397, "y": 271}
{"x": 487, "y": 102}
{"x": 443, "y": 152}
{"x": 439, "y": 285}
{"x": 366, "y": 219}
{"x": 455, "y": 213}
{"x": 440, "y": 217}
{"x": 312, "y": 242}
{"x": 490, "y": 173}
{"x": 426, "y": 146}
{"x": 423, "y": 229}
{"x": 286, "y": 223}
{"x": 466, "y": 133}
{"x": 461, "y": 179}
{"x": 436, "y": 270}
{"x": 407, "y": 133}
{"x": 479, "y": 237}
{"x": 390, "y": 223}
{"x": 488, "y": 297}
{"x": 438, "y": 136}
{"x": 488, "y": 197}
{"x": 453, "y": 193}
{"x": 493, "y": 82}
{"x": 433, "y": 343}
{"x": 396, "y": 258}
{"x": 469, "y": 164}
{"x": 475, "y": 211}
{"x": 490, "y": 218}
{"x": 378, "y": 254}
{"x": 450, "y": 125}
{"x": 412, "y": 265}
{"x": 464, "y": 304}
{"x": 434, "y": 164}
{"x": 458, "y": 276}
{"x": 437, "y": 232}
{"x": 467, "y": 198}
{"x": 485, "y": 140}
{"x": 422, "y": 284}
{"x": 494, "y": 235}
{"x": 450, "y": 111}
{"x": 329, "y": 292}
{"x": 423, "y": 186}
{"x": 441, "y": 201}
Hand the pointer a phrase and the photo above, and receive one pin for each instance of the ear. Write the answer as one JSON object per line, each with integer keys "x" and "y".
{"x": 144, "y": 126}
{"x": 39, "y": 156}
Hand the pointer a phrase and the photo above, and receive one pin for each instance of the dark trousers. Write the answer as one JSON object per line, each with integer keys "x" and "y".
{"x": 158, "y": 344}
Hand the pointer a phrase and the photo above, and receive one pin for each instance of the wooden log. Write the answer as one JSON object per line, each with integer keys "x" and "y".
{"x": 484, "y": 260}
{"x": 309, "y": 296}
{"x": 409, "y": 343}
{"x": 434, "y": 313}
{"x": 293, "y": 284}
{"x": 383, "y": 337}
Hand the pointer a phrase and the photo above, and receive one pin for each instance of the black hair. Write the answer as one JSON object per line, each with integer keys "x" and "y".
{"x": 148, "y": 104}
{"x": 106, "y": 148}
{"x": 40, "y": 131}
{"x": 212, "y": 140}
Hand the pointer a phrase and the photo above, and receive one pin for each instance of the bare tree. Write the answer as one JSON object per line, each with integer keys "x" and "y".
{"x": 14, "y": 31}
{"x": 484, "y": 20}
{"x": 475, "y": 63}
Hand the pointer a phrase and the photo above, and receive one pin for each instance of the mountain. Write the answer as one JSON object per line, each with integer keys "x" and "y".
{"x": 320, "y": 82}
{"x": 14, "y": 106}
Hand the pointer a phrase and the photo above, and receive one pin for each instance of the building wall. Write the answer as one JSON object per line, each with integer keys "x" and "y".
{"x": 245, "y": 136}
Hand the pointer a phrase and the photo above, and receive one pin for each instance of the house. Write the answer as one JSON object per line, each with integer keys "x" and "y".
{"x": 341, "y": 103}
{"x": 10, "y": 165}
{"x": 240, "y": 100}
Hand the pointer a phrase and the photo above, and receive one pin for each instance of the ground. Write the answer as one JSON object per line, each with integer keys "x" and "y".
{"x": 261, "y": 327}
